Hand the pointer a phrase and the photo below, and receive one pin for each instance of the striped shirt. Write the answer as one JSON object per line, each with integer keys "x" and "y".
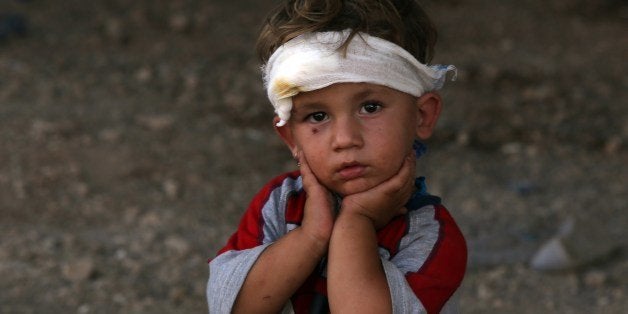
{"x": 423, "y": 252}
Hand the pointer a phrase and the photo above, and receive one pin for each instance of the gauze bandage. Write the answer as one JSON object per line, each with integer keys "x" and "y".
{"x": 313, "y": 61}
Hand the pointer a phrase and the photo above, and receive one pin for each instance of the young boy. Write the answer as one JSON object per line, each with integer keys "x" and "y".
{"x": 352, "y": 230}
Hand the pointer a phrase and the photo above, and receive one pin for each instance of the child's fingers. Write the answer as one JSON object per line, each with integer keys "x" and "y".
{"x": 403, "y": 181}
{"x": 386, "y": 200}
{"x": 310, "y": 181}
{"x": 318, "y": 219}
{"x": 402, "y": 185}
{"x": 306, "y": 173}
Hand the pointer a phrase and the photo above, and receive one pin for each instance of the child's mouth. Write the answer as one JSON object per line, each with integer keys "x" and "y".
{"x": 351, "y": 171}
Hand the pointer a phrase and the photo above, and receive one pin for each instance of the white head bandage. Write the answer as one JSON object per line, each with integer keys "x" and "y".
{"x": 313, "y": 61}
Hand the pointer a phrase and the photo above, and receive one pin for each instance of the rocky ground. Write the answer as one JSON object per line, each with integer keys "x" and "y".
{"x": 133, "y": 134}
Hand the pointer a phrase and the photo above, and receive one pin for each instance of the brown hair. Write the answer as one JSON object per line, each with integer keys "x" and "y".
{"x": 402, "y": 22}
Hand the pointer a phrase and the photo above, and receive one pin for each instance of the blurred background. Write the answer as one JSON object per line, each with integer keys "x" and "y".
{"x": 134, "y": 133}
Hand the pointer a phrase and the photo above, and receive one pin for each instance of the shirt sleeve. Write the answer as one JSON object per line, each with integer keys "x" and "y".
{"x": 261, "y": 225}
{"x": 226, "y": 276}
{"x": 429, "y": 266}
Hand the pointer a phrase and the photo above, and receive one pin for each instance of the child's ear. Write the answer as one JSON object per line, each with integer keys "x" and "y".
{"x": 429, "y": 107}
{"x": 285, "y": 133}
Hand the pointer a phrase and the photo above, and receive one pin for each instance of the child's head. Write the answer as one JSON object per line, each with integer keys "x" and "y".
{"x": 350, "y": 87}
{"x": 402, "y": 22}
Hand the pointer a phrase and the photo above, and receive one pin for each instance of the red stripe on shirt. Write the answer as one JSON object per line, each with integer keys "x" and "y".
{"x": 250, "y": 231}
{"x": 441, "y": 274}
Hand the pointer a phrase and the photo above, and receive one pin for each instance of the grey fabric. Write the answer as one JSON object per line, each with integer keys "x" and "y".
{"x": 223, "y": 286}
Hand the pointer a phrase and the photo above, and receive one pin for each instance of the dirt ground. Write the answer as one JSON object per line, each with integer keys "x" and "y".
{"x": 134, "y": 133}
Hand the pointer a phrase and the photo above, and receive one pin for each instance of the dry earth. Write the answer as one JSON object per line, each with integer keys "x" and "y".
{"x": 134, "y": 133}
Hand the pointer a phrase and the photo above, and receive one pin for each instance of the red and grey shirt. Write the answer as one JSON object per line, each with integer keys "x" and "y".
{"x": 423, "y": 252}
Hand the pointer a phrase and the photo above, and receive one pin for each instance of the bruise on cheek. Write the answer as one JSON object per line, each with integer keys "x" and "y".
{"x": 314, "y": 130}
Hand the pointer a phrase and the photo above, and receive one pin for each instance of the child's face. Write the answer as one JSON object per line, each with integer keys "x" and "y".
{"x": 355, "y": 136}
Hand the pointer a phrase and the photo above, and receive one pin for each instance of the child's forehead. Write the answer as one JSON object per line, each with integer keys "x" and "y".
{"x": 345, "y": 92}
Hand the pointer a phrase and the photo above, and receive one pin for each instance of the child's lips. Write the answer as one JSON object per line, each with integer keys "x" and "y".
{"x": 351, "y": 171}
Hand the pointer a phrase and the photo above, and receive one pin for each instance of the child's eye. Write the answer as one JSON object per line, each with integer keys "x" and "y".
{"x": 371, "y": 107}
{"x": 316, "y": 117}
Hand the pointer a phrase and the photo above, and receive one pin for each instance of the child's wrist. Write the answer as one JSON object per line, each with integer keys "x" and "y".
{"x": 354, "y": 218}
{"x": 318, "y": 242}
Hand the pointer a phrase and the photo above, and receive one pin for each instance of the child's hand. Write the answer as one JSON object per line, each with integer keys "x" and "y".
{"x": 318, "y": 219}
{"x": 385, "y": 201}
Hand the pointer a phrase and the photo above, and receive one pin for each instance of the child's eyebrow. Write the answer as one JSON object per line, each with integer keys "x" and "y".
{"x": 308, "y": 106}
{"x": 366, "y": 93}
{"x": 315, "y": 105}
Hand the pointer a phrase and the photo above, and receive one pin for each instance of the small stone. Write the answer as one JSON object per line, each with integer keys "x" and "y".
{"x": 537, "y": 93}
{"x": 507, "y": 44}
{"x": 552, "y": 256}
{"x": 191, "y": 81}
{"x": 110, "y": 135}
{"x": 178, "y": 245}
{"x": 115, "y": 29}
{"x": 144, "y": 75}
{"x": 80, "y": 189}
{"x": 119, "y": 298}
{"x": 484, "y": 292}
{"x": 130, "y": 214}
{"x": 603, "y": 301}
{"x": 513, "y": 148}
{"x": 498, "y": 303}
{"x": 463, "y": 138}
{"x": 497, "y": 274}
{"x": 51, "y": 243}
{"x": 595, "y": 278}
{"x": 613, "y": 145}
{"x": 19, "y": 189}
{"x": 177, "y": 294}
{"x": 236, "y": 101}
{"x": 84, "y": 309}
{"x": 121, "y": 254}
{"x": 171, "y": 188}
{"x": 490, "y": 72}
{"x": 179, "y": 23}
{"x": 155, "y": 122}
{"x": 150, "y": 219}
{"x": 41, "y": 128}
{"x": 79, "y": 270}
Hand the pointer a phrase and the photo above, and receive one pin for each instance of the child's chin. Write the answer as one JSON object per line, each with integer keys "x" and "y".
{"x": 354, "y": 187}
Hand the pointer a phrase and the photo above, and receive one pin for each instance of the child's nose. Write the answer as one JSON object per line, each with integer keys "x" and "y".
{"x": 347, "y": 134}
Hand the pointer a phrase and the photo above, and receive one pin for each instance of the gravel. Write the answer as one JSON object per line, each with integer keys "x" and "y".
{"x": 133, "y": 135}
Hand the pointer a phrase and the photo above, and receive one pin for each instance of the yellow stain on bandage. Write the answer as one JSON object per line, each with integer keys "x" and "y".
{"x": 284, "y": 89}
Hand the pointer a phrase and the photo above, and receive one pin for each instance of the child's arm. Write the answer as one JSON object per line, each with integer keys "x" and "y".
{"x": 278, "y": 272}
{"x": 283, "y": 267}
{"x": 356, "y": 279}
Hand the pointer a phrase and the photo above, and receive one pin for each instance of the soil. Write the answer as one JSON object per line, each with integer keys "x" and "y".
{"x": 134, "y": 133}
